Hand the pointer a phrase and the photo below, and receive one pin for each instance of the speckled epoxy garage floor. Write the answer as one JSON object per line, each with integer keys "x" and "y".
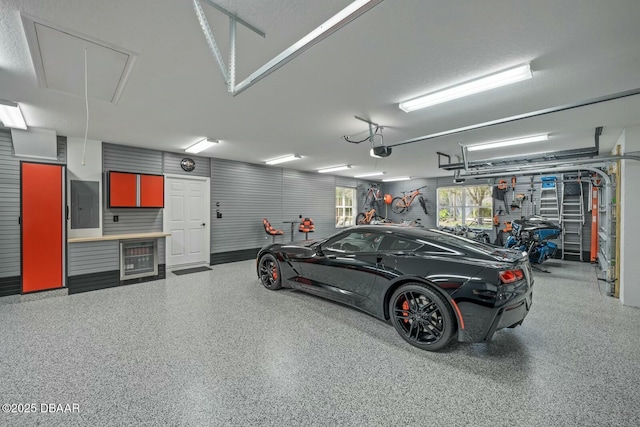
{"x": 216, "y": 348}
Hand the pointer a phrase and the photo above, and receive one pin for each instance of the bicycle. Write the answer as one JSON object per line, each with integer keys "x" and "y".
{"x": 373, "y": 197}
{"x": 367, "y": 217}
{"x": 401, "y": 204}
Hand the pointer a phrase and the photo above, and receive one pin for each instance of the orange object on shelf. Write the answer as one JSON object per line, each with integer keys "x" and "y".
{"x": 594, "y": 222}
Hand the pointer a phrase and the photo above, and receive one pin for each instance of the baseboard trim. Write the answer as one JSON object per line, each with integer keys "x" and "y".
{"x": 10, "y": 286}
{"x": 233, "y": 256}
{"x": 93, "y": 281}
{"x": 107, "y": 279}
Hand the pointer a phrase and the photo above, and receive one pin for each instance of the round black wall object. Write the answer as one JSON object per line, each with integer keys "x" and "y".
{"x": 187, "y": 164}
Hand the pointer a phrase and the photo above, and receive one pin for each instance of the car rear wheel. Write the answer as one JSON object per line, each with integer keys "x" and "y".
{"x": 421, "y": 316}
{"x": 269, "y": 270}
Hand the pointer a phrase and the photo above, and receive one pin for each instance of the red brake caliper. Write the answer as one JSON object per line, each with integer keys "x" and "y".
{"x": 405, "y": 307}
{"x": 274, "y": 273}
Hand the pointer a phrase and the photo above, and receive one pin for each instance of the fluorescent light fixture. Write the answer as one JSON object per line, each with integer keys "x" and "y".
{"x": 283, "y": 159}
{"x": 521, "y": 156}
{"x": 11, "y": 116}
{"x": 334, "y": 169}
{"x": 365, "y": 175}
{"x": 398, "y": 178}
{"x": 492, "y": 81}
{"x": 508, "y": 142}
{"x": 201, "y": 145}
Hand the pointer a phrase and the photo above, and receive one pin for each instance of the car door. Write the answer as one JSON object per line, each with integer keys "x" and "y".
{"x": 345, "y": 267}
{"x": 406, "y": 256}
{"x": 398, "y": 258}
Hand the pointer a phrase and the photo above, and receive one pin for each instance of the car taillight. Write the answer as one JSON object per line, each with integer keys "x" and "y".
{"x": 510, "y": 276}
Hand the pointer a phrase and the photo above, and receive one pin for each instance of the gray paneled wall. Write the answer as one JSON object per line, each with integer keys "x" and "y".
{"x": 344, "y": 181}
{"x": 415, "y": 210}
{"x": 132, "y": 221}
{"x": 247, "y": 193}
{"x": 93, "y": 257}
{"x": 244, "y": 194}
{"x": 310, "y": 195}
{"x": 171, "y": 164}
{"x": 10, "y": 206}
{"x": 62, "y": 149}
{"x": 130, "y": 159}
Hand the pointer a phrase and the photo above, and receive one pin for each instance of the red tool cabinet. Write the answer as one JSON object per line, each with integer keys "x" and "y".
{"x": 42, "y": 226}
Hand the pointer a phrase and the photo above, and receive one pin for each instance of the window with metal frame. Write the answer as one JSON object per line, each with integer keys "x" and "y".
{"x": 465, "y": 205}
{"x": 345, "y": 206}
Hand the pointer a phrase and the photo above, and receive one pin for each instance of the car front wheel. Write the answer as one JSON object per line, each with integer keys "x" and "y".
{"x": 269, "y": 270}
{"x": 421, "y": 316}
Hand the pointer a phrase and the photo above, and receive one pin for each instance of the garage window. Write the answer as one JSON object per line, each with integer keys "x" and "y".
{"x": 470, "y": 205}
{"x": 345, "y": 206}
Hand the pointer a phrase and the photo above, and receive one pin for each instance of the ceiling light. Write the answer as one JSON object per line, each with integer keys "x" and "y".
{"x": 201, "y": 145}
{"x": 492, "y": 81}
{"x": 508, "y": 142}
{"x": 399, "y": 178}
{"x": 520, "y": 156}
{"x": 283, "y": 159}
{"x": 334, "y": 169}
{"x": 365, "y": 175}
{"x": 11, "y": 116}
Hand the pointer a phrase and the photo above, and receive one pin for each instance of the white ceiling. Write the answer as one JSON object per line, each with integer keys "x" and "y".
{"x": 175, "y": 94}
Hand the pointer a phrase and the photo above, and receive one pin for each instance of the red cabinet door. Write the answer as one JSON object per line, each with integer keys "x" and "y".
{"x": 151, "y": 191}
{"x": 123, "y": 189}
{"x": 42, "y": 226}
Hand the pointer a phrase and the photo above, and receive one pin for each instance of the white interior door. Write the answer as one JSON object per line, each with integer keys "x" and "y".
{"x": 187, "y": 218}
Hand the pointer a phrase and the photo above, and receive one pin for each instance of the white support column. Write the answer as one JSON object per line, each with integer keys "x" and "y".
{"x": 629, "y": 222}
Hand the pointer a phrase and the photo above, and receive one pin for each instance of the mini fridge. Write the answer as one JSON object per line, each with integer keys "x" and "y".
{"x": 138, "y": 258}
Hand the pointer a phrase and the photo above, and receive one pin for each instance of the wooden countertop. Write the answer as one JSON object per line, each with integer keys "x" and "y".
{"x": 119, "y": 237}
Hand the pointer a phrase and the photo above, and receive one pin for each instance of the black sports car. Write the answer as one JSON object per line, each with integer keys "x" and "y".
{"x": 430, "y": 285}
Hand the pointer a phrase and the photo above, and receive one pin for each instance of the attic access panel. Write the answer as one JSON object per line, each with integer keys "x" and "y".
{"x": 58, "y": 58}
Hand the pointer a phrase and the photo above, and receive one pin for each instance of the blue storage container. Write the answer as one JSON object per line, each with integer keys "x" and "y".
{"x": 548, "y": 181}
